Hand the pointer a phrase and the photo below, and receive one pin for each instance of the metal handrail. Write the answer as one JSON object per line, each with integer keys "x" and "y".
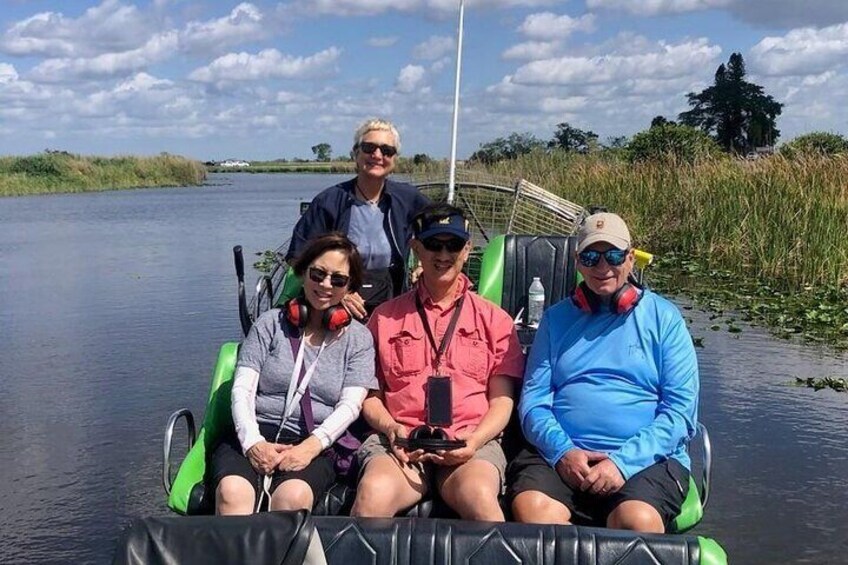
{"x": 264, "y": 285}
{"x": 708, "y": 464}
{"x": 166, "y": 444}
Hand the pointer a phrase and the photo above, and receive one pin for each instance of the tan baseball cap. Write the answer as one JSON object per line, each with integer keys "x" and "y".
{"x": 606, "y": 227}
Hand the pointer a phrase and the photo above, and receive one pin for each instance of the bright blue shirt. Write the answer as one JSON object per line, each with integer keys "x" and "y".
{"x": 626, "y": 385}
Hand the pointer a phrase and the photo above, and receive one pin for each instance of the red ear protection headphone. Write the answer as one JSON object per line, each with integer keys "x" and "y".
{"x": 622, "y": 301}
{"x": 297, "y": 313}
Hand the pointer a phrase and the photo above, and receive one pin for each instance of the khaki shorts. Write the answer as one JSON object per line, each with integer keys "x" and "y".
{"x": 378, "y": 444}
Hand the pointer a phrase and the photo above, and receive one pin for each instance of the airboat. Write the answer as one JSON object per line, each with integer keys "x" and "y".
{"x": 520, "y": 231}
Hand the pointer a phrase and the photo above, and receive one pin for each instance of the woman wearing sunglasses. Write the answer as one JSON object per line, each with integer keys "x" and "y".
{"x": 373, "y": 211}
{"x": 302, "y": 374}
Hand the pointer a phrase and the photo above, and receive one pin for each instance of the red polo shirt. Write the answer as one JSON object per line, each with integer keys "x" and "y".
{"x": 484, "y": 344}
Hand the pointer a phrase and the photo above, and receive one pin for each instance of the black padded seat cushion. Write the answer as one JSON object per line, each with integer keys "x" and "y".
{"x": 549, "y": 257}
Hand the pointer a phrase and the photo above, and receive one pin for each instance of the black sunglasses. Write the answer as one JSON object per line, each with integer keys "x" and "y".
{"x": 385, "y": 149}
{"x": 613, "y": 257}
{"x": 453, "y": 245}
{"x": 337, "y": 280}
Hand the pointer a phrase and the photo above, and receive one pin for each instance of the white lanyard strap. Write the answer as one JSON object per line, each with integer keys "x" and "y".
{"x": 292, "y": 398}
{"x": 294, "y": 393}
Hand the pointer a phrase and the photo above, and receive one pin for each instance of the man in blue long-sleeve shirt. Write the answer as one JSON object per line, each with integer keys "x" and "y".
{"x": 610, "y": 398}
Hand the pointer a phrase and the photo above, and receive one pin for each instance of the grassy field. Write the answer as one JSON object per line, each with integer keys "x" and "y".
{"x": 59, "y": 172}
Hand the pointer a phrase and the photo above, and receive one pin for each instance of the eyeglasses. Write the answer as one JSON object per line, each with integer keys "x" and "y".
{"x": 613, "y": 257}
{"x": 337, "y": 280}
{"x": 385, "y": 149}
{"x": 453, "y": 245}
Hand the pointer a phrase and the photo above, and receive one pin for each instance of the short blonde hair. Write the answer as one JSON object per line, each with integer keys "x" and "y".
{"x": 376, "y": 124}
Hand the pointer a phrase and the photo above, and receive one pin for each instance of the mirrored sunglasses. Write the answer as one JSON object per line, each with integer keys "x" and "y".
{"x": 385, "y": 149}
{"x": 337, "y": 280}
{"x": 613, "y": 257}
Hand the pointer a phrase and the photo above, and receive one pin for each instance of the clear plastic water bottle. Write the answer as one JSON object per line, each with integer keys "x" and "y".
{"x": 535, "y": 302}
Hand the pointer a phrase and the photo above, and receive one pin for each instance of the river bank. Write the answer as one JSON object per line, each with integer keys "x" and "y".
{"x": 61, "y": 172}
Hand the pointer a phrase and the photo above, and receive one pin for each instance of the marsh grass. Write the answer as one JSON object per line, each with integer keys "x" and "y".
{"x": 775, "y": 219}
{"x": 60, "y": 172}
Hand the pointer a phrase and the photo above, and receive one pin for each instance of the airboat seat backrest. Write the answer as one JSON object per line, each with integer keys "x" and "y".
{"x": 511, "y": 261}
{"x": 284, "y": 537}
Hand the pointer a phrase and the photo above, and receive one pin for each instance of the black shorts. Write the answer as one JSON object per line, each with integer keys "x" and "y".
{"x": 662, "y": 485}
{"x": 227, "y": 459}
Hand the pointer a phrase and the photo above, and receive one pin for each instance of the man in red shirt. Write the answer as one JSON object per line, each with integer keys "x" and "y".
{"x": 480, "y": 364}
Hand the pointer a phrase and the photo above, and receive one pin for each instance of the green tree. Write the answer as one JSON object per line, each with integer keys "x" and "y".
{"x": 817, "y": 142}
{"x": 616, "y": 142}
{"x": 421, "y": 159}
{"x": 323, "y": 152}
{"x": 659, "y": 121}
{"x": 507, "y": 148}
{"x": 573, "y": 139}
{"x": 674, "y": 141}
{"x": 735, "y": 112}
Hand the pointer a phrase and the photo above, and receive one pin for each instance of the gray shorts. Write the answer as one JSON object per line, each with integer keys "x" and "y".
{"x": 378, "y": 444}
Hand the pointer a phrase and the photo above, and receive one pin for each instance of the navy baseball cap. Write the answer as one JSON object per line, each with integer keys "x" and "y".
{"x": 428, "y": 225}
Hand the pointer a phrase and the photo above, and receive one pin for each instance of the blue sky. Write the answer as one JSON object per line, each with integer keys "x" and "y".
{"x": 266, "y": 79}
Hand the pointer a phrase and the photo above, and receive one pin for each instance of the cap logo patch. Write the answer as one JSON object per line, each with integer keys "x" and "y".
{"x": 599, "y": 225}
{"x": 444, "y": 221}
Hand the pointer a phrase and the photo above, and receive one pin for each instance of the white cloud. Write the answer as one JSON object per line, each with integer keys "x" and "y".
{"x": 547, "y": 25}
{"x": 665, "y": 62}
{"x": 244, "y": 23}
{"x": 532, "y": 50}
{"x": 111, "y": 26}
{"x": 551, "y": 105}
{"x": 656, "y": 7}
{"x": 8, "y": 73}
{"x": 143, "y": 82}
{"x": 268, "y": 63}
{"x": 805, "y": 51}
{"x": 380, "y": 42}
{"x": 158, "y": 48}
{"x": 410, "y": 78}
{"x": 442, "y": 64}
{"x": 438, "y": 8}
{"x": 434, "y": 48}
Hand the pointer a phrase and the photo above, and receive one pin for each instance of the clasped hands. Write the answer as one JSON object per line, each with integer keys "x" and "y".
{"x": 589, "y": 471}
{"x": 266, "y": 457}
{"x": 446, "y": 457}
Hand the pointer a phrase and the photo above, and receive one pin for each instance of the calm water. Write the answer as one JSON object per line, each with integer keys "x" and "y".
{"x": 112, "y": 307}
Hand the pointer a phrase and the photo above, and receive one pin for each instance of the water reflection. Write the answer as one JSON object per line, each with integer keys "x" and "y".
{"x": 113, "y": 306}
{"x": 780, "y": 452}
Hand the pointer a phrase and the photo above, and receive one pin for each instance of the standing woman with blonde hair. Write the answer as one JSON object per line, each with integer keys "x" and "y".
{"x": 373, "y": 211}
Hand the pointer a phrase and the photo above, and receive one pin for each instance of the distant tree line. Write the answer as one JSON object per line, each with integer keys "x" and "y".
{"x": 732, "y": 116}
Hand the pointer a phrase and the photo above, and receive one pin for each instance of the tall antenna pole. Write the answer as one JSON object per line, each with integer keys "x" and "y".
{"x": 452, "y": 174}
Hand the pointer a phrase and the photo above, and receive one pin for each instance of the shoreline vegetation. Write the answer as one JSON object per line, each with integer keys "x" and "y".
{"x": 761, "y": 240}
{"x": 318, "y": 167}
{"x": 57, "y": 172}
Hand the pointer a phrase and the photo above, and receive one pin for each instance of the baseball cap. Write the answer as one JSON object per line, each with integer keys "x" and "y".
{"x": 603, "y": 227}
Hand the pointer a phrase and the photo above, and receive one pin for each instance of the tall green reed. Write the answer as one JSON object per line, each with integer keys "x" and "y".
{"x": 778, "y": 219}
{"x": 59, "y": 172}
